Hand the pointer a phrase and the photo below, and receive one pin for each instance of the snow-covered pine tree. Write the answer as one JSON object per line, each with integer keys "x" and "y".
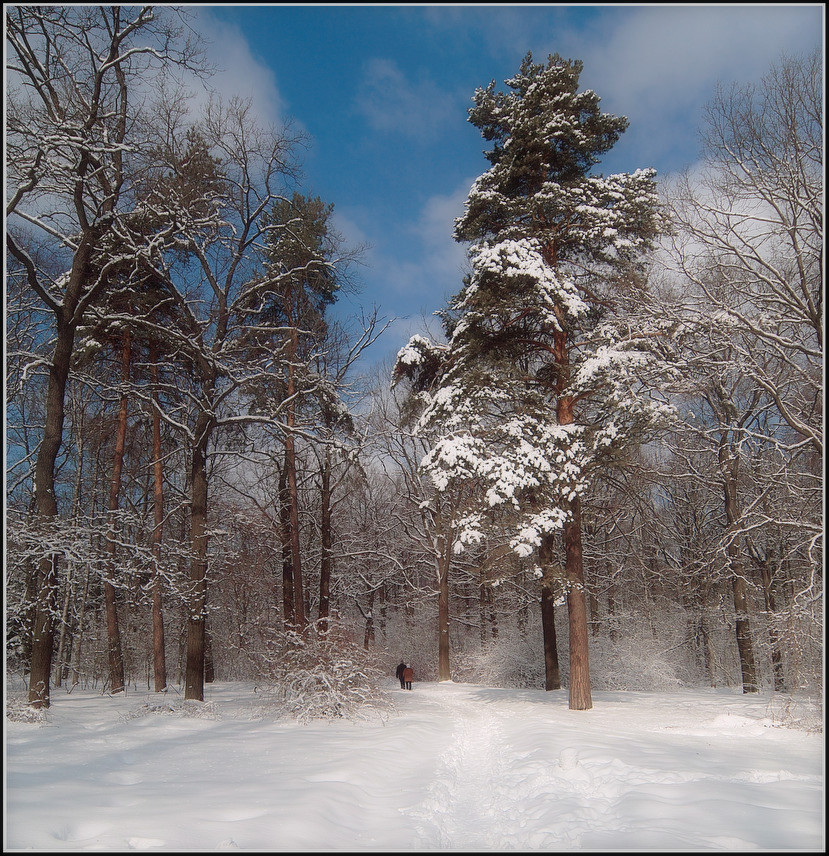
{"x": 537, "y": 388}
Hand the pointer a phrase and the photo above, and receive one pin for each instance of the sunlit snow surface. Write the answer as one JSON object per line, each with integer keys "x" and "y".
{"x": 458, "y": 767}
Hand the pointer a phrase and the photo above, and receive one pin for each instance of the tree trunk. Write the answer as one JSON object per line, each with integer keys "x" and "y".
{"x": 369, "y": 634}
{"x": 293, "y": 490}
{"x": 45, "y": 499}
{"x": 326, "y": 559}
{"x": 114, "y": 654}
{"x": 729, "y": 464}
{"x": 444, "y": 671}
{"x": 197, "y": 595}
{"x": 287, "y": 561}
{"x": 774, "y": 639}
{"x": 594, "y": 613}
{"x": 552, "y": 673}
{"x": 209, "y": 662}
{"x": 64, "y": 631}
{"x": 76, "y": 660}
{"x": 293, "y": 517}
{"x": 580, "y": 695}
{"x": 159, "y": 658}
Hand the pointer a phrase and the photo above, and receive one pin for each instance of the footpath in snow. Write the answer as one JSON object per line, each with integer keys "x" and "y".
{"x": 458, "y": 767}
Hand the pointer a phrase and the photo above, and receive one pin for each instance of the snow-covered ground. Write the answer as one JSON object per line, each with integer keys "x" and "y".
{"x": 458, "y": 767}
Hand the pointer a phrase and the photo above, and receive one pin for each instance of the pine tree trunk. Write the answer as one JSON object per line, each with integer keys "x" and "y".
{"x": 580, "y": 695}
{"x": 326, "y": 559}
{"x": 197, "y": 594}
{"x": 159, "y": 658}
{"x": 287, "y": 560}
{"x": 290, "y": 472}
{"x": 444, "y": 671}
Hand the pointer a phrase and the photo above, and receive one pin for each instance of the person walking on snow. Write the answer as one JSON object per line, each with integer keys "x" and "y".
{"x": 408, "y": 675}
{"x": 399, "y": 673}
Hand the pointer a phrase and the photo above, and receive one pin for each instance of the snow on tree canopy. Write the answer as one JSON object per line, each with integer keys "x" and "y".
{"x": 538, "y": 383}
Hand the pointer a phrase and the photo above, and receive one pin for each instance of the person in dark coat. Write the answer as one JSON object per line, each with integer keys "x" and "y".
{"x": 399, "y": 673}
{"x": 408, "y": 676}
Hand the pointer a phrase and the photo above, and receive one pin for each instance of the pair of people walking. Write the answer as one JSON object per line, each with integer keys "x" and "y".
{"x": 405, "y": 674}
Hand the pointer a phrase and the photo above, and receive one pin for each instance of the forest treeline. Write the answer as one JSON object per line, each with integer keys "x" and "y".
{"x": 605, "y": 470}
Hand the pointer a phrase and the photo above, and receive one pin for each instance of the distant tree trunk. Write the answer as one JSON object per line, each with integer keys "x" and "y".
{"x": 774, "y": 639}
{"x": 209, "y": 662}
{"x": 65, "y": 639}
{"x": 611, "y": 610}
{"x": 326, "y": 558}
{"x": 197, "y": 594}
{"x": 159, "y": 659}
{"x": 64, "y": 655}
{"x": 580, "y": 694}
{"x": 368, "y": 638}
{"x": 293, "y": 490}
{"x": 729, "y": 463}
{"x": 552, "y": 674}
{"x": 594, "y": 613}
{"x": 76, "y": 660}
{"x": 287, "y": 555}
{"x": 482, "y": 606}
{"x": 444, "y": 671}
{"x": 114, "y": 655}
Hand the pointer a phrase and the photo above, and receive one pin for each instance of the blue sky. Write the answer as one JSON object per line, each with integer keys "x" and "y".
{"x": 383, "y": 93}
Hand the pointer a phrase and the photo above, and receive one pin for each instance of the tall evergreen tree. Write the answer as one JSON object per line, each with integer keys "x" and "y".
{"x": 538, "y": 389}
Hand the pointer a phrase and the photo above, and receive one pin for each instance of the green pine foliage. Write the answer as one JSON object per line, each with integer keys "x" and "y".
{"x": 537, "y": 331}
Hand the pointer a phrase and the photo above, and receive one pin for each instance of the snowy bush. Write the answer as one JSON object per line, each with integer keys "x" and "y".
{"x": 513, "y": 662}
{"x": 804, "y": 714}
{"x": 638, "y": 661}
{"x": 18, "y": 710}
{"x": 181, "y": 708}
{"x": 321, "y": 676}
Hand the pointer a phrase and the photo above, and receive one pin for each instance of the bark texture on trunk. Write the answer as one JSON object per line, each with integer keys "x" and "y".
{"x": 326, "y": 557}
{"x": 580, "y": 694}
{"x": 197, "y": 594}
{"x": 552, "y": 673}
{"x": 159, "y": 658}
{"x": 287, "y": 560}
{"x": 444, "y": 670}
{"x": 43, "y": 624}
{"x": 114, "y": 653}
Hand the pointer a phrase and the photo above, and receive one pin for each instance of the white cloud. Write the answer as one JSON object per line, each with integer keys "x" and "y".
{"x": 392, "y": 104}
{"x": 239, "y": 72}
{"x": 667, "y": 56}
